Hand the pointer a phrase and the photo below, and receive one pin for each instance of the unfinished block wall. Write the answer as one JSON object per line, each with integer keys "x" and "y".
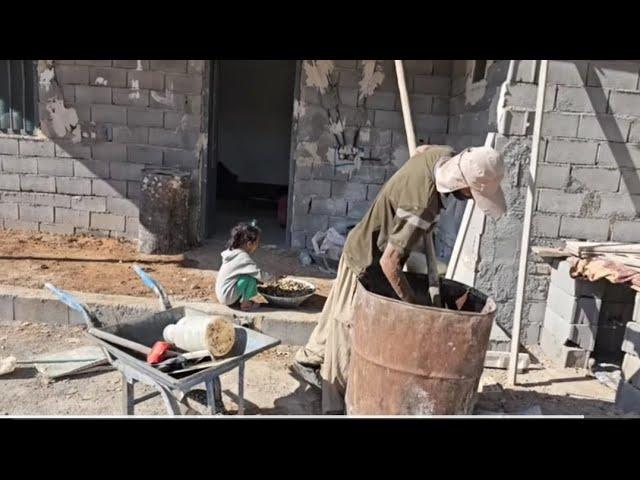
{"x": 335, "y": 191}
{"x": 101, "y": 123}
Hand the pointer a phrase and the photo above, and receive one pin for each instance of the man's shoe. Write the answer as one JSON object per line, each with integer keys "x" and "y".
{"x": 308, "y": 374}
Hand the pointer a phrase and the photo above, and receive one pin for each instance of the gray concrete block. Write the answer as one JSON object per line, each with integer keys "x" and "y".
{"x": 108, "y": 77}
{"x": 20, "y": 225}
{"x": 72, "y": 74}
{"x": 625, "y": 103}
{"x": 171, "y": 138}
{"x": 628, "y": 398}
{"x": 126, "y": 134}
{"x": 370, "y": 174}
{"x": 593, "y": 229}
{"x": 630, "y": 369}
{"x": 421, "y": 103}
{"x": 90, "y": 95}
{"x": 131, "y": 225}
{"x": 133, "y": 190}
{"x": 319, "y": 188}
{"x": 73, "y": 186}
{"x": 142, "y": 64}
{"x": 571, "y": 152}
{"x": 51, "y": 200}
{"x": 372, "y": 191}
{"x": 386, "y": 119}
{"x": 126, "y": 171}
{"x": 289, "y": 333}
{"x": 604, "y": 127}
{"x": 552, "y": 176}
{"x": 8, "y": 146}
{"x": 72, "y": 150}
{"x": 348, "y": 190}
{"x": 122, "y": 206}
{"x": 435, "y": 85}
{"x": 440, "y": 106}
{"x": 575, "y": 287}
{"x": 38, "y": 213}
{"x": 6, "y": 308}
{"x": 561, "y": 125}
{"x": 110, "y": 152}
{"x": 310, "y": 223}
{"x": 146, "y": 79}
{"x": 91, "y": 168}
{"x": 556, "y": 201}
{"x": 170, "y": 66}
{"x": 618, "y": 205}
{"x": 76, "y": 218}
{"x": 596, "y": 179}
{"x": 561, "y": 355}
{"x": 328, "y": 206}
{"x": 581, "y": 99}
{"x": 384, "y": 101}
{"x": 57, "y": 228}
{"x": 109, "y": 188}
{"x": 93, "y": 204}
{"x": 184, "y": 159}
{"x": 567, "y": 72}
{"x": 302, "y": 172}
{"x": 322, "y": 172}
{"x": 521, "y": 95}
{"x": 9, "y": 210}
{"x": 582, "y": 335}
{"x": 126, "y": 96}
{"x": 35, "y": 183}
{"x": 42, "y": 310}
{"x": 144, "y": 117}
{"x": 9, "y": 181}
{"x": 189, "y": 84}
{"x": 357, "y": 209}
{"x": 57, "y": 167}
{"x": 432, "y": 123}
{"x": 519, "y": 123}
{"x": 33, "y": 148}
{"x": 94, "y": 63}
{"x": 168, "y": 100}
{"x": 613, "y": 73}
{"x": 109, "y": 114}
{"x": 107, "y": 221}
{"x": 144, "y": 154}
{"x": 19, "y": 165}
{"x": 573, "y": 310}
{"x": 631, "y": 341}
{"x": 545, "y": 225}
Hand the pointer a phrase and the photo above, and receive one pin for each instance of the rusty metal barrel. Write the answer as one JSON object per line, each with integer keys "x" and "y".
{"x": 416, "y": 360}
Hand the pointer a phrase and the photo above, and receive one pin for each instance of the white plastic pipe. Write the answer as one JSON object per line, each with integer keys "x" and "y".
{"x": 526, "y": 226}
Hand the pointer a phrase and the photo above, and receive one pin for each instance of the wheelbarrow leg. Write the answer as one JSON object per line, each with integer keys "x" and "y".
{"x": 214, "y": 394}
{"x": 127, "y": 395}
{"x": 241, "y": 388}
{"x": 170, "y": 401}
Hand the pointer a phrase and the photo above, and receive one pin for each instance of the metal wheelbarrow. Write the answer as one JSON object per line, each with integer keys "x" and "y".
{"x": 126, "y": 344}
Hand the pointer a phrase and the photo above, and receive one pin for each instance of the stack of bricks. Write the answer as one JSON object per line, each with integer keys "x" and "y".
{"x": 571, "y": 318}
{"x": 628, "y": 394}
{"x": 326, "y": 197}
{"x": 132, "y": 113}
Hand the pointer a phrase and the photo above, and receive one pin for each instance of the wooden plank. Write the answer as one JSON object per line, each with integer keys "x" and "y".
{"x": 548, "y": 252}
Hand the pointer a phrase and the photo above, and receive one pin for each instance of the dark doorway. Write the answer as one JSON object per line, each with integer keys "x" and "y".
{"x": 253, "y": 116}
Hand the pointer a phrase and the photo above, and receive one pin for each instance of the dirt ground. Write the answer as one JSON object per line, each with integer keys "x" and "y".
{"x": 269, "y": 388}
{"x": 26, "y": 261}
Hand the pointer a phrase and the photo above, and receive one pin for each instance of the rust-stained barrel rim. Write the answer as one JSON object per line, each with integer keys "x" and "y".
{"x": 492, "y": 304}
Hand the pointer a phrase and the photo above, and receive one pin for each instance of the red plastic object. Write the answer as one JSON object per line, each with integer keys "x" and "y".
{"x": 157, "y": 352}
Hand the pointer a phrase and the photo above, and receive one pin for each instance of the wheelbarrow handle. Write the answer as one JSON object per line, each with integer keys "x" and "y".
{"x": 153, "y": 285}
{"x": 73, "y": 303}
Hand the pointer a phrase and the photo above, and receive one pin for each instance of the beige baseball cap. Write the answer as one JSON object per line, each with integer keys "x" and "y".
{"x": 479, "y": 168}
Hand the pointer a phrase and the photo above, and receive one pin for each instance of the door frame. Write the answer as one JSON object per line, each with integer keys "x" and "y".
{"x": 209, "y": 181}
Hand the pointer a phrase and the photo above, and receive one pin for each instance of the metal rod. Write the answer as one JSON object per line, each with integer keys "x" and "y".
{"x": 241, "y": 388}
{"x": 23, "y": 77}
{"x": 11, "y": 127}
{"x": 526, "y": 227}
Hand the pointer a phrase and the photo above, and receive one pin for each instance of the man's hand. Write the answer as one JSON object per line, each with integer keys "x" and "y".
{"x": 391, "y": 263}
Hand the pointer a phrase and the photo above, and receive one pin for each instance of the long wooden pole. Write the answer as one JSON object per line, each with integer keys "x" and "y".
{"x": 432, "y": 263}
{"x": 526, "y": 227}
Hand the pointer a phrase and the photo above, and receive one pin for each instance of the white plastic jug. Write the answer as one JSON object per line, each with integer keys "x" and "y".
{"x": 190, "y": 334}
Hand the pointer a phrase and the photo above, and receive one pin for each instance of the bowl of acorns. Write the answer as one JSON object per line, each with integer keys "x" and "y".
{"x": 287, "y": 292}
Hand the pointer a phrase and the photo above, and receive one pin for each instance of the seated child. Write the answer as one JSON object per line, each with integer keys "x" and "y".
{"x": 239, "y": 274}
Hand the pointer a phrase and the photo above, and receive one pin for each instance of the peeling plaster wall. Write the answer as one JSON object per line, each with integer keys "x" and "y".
{"x": 334, "y": 182}
{"x": 101, "y": 123}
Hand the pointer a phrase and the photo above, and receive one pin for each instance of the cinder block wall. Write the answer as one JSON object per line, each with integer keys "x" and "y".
{"x": 102, "y": 122}
{"x": 326, "y": 195}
